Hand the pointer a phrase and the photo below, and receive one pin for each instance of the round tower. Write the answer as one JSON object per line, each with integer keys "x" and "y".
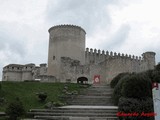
{"x": 65, "y": 41}
{"x": 149, "y": 58}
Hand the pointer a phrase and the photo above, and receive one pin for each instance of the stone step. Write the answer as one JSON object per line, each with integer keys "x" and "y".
{"x": 2, "y": 114}
{"x": 92, "y": 96}
{"x": 95, "y": 91}
{"x": 102, "y": 89}
{"x": 92, "y": 103}
{"x": 97, "y": 96}
{"x": 100, "y": 86}
{"x": 81, "y": 111}
{"x": 75, "y": 114}
{"x": 74, "y": 107}
{"x": 74, "y": 118}
{"x": 74, "y": 111}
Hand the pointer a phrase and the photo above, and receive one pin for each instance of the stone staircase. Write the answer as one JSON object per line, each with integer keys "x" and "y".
{"x": 93, "y": 103}
{"x": 96, "y": 95}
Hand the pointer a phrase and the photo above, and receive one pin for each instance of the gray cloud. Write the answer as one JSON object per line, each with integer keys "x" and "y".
{"x": 117, "y": 39}
{"x": 11, "y": 42}
{"x": 86, "y": 13}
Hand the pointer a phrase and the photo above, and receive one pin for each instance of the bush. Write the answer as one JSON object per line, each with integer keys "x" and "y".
{"x": 116, "y": 79}
{"x": 157, "y": 67}
{"x": 42, "y": 96}
{"x": 137, "y": 86}
{"x": 131, "y": 105}
{"x": 152, "y": 74}
{"x": 156, "y": 78}
{"x": 15, "y": 109}
{"x": 117, "y": 90}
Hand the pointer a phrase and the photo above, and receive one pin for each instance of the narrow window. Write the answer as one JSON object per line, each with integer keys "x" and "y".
{"x": 54, "y": 57}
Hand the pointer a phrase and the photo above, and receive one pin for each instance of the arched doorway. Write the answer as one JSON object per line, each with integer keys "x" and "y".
{"x": 82, "y": 80}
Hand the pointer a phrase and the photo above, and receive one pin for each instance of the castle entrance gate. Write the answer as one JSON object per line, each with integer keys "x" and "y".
{"x": 82, "y": 80}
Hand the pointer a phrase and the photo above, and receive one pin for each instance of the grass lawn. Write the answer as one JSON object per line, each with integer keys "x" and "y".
{"x": 26, "y": 91}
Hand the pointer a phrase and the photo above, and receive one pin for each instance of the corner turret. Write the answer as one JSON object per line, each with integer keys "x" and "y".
{"x": 149, "y": 57}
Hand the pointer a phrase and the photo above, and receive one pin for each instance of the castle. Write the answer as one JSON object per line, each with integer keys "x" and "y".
{"x": 70, "y": 61}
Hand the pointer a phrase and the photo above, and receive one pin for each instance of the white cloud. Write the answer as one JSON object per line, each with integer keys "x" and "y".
{"x": 144, "y": 20}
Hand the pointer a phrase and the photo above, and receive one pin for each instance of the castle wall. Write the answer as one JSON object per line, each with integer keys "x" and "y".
{"x": 27, "y": 75}
{"x": 68, "y": 60}
{"x": 65, "y": 41}
{"x": 95, "y": 56}
{"x": 16, "y": 72}
{"x": 71, "y": 70}
{"x": 27, "y": 72}
{"x": 98, "y": 69}
{"x": 12, "y": 73}
{"x": 43, "y": 69}
{"x": 114, "y": 66}
{"x": 12, "y": 76}
{"x": 114, "y": 63}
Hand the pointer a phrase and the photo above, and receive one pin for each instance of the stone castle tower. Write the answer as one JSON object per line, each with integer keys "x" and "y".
{"x": 65, "y": 41}
{"x": 70, "y": 61}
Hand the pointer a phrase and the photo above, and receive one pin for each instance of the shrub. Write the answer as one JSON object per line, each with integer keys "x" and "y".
{"x": 42, "y": 96}
{"x": 157, "y": 67}
{"x": 116, "y": 79}
{"x": 117, "y": 90}
{"x": 15, "y": 109}
{"x": 131, "y": 105}
{"x": 156, "y": 78}
{"x": 150, "y": 74}
{"x": 137, "y": 86}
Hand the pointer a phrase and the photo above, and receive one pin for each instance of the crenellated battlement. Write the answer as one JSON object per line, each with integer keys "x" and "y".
{"x": 66, "y": 26}
{"x": 13, "y": 67}
{"x": 19, "y": 68}
{"x": 95, "y": 56}
{"x": 68, "y": 60}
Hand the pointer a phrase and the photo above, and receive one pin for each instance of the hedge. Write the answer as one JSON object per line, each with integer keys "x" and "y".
{"x": 131, "y": 105}
{"x": 117, "y": 78}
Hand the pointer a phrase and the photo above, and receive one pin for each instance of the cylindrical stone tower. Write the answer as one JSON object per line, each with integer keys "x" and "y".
{"x": 65, "y": 41}
{"x": 149, "y": 57}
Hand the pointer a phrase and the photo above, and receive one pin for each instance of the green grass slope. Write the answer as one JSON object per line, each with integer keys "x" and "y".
{"x": 26, "y": 91}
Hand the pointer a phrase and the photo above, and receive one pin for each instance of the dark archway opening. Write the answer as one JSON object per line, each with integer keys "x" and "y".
{"x": 82, "y": 80}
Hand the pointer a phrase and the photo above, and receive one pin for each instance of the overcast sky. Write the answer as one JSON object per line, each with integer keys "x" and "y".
{"x": 125, "y": 26}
